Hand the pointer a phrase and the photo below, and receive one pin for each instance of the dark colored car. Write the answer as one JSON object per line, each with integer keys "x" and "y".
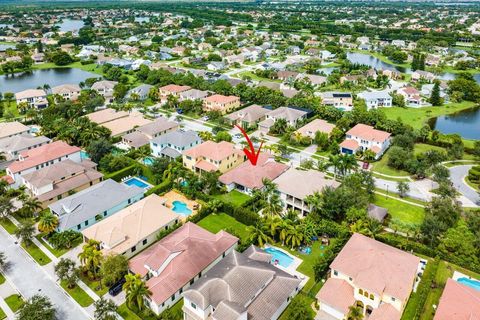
{"x": 117, "y": 287}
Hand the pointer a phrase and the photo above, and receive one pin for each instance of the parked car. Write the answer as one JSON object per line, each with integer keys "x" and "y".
{"x": 117, "y": 287}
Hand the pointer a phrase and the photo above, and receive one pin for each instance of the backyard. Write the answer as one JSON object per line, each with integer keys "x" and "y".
{"x": 401, "y": 213}
{"x": 234, "y": 197}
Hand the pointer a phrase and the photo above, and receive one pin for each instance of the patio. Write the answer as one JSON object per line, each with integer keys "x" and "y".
{"x": 175, "y": 195}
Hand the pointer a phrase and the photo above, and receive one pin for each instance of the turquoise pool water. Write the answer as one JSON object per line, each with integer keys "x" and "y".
{"x": 148, "y": 161}
{"x": 136, "y": 182}
{"x": 84, "y": 155}
{"x": 280, "y": 257}
{"x": 475, "y": 284}
{"x": 181, "y": 208}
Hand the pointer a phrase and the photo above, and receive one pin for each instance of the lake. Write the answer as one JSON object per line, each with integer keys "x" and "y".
{"x": 374, "y": 62}
{"x": 466, "y": 123}
{"x": 70, "y": 25}
{"x": 36, "y": 78}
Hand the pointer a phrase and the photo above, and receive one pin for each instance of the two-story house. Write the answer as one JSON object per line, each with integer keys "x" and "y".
{"x": 67, "y": 91}
{"x": 291, "y": 115}
{"x": 221, "y": 103}
{"x": 376, "y": 99}
{"x": 213, "y": 156}
{"x": 34, "y": 98}
{"x": 362, "y": 138}
{"x": 105, "y": 89}
{"x": 370, "y": 275}
{"x": 142, "y": 135}
{"x": 172, "y": 144}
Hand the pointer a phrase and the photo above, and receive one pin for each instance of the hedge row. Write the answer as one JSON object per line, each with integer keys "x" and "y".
{"x": 160, "y": 189}
{"x": 122, "y": 173}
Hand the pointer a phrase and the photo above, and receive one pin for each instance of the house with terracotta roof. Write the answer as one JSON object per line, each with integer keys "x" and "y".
{"x": 221, "y": 103}
{"x": 133, "y": 228}
{"x": 35, "y": 159}
{"x": 411, "y": 96}
{"x": 59, "y": 180}
{"x": 10, "y": 129}
{"x": 363, "y": 137}
{"x": 85, "y": 208}
{"x": 172, "y": 89}
{"x": 370, "y": 275}
{"x": 34, "y": 98}
{"x": 142, "y": 135}
{"x": 317, "y": 125}
{"x": 213, "y": 156}
{"x": 176, "y": 262}
{"x": 458, "y": 301}
{"x": 126, "y": 124}
{"x": 248, "y": 117}
{"x": 247, "y": 177}
{"x": 106, "y": 115}
{"x": 295, "y": 185}
{"x": 246, "y": 286}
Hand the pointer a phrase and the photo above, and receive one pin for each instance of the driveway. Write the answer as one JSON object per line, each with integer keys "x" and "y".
{"x": 457, "y": 175}
{"x": 30, "y": 279}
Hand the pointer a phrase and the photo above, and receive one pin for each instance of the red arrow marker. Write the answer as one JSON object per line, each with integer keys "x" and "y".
{"x": 251, "y": 154}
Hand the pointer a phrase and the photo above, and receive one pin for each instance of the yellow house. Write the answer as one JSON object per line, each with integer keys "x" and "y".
{"x": 224, "y": 104}
{"x": 212, "y": 156}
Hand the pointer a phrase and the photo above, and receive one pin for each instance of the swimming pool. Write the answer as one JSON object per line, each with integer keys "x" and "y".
{"x": 136, "y": 182}
{"x": 84, "y": 155}
{"x": 181, "y": 208}
{"x": 148, "y": 161}
{"x": 475, "y": 284}
{"x": 280, "y": 257}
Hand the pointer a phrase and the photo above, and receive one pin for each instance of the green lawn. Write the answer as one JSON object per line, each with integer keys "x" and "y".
{"x": 15, "y": 302}
{"x": 216, "y": 222}
{"x": 443, "y": 273}
{"x": 94, "y": 285}
{"x": 417, "y": 117}
{"x": 234, "y": 197}
{"x": 8, "y": 225}
{"x": 400, "y": 211}
{"x": 37, "y": 254}
{"x": 381, "y": 166}
{"x": 129, "y": 314}
{"x": 78, "y": 294}
{"x": 2, "y": 314}
{"x": 56, "y": 252}
{"x": 2, "y": 279}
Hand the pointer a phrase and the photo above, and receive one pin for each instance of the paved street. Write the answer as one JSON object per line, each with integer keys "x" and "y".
{"x": 457, "y": 175}
{"x": 30, "y": 279}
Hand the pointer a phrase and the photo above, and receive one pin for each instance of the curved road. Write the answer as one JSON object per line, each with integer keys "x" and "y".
{"x": 30, "y": 279}
{"x": 457, "y": 175}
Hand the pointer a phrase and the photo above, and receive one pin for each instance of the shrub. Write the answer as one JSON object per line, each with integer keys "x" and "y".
{"x": 161, "y": 188}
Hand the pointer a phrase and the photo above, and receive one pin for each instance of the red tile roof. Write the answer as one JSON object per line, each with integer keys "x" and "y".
{"x": 174, "y": 88}
{"x": 213, "y": 150}
{"x": 206, "y": 166}
{"x": 377, "y": 267}
{"x": 385, "y": 311}
{"x": 179, "y": 257}
{"x": 349, "y": 144}
{"x": 41, "y": 155}
{"x": 458, "y": 302}
{"x": 337, "y": 293}
{"x": 218, "y": 98}
{"x": 368, "y": 133}
{"x": 251, "y": 176}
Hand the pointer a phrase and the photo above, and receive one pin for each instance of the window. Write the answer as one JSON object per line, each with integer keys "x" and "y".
{"x": 134, "y": 248}
{"x": 144, "y": 242}
{"x": 360, "y": 291}
{"x": 372, "y": 297}
{"x": 79, "y": 227}
{"x": 335, "y": 272}
{"x": 192, "y": 281}
{"x": 194, "y": 306}
{"x": 393, "y": 299}
{"x": 129, "y": 201}
{"x": 86, "y": 223}
{"x": 173, "y": 297}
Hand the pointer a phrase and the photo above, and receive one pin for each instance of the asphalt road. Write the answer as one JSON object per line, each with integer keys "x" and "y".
{"x": 30, "y": 279}
{"x": 457, "y": 175}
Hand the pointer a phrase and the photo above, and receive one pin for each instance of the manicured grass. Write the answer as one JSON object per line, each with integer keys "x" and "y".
{"x": 234, "y": 197}
{"x": 78, "y": 294}
{"x": 56, "y": 252}
{"x": 36, "y": 254}
{"x": 417, "y": 117}
{"x": 444, "y": 272}
{"x": 400, "y": 211}
{"x": 15, "y": 302}
{"x": 397, "y": 179}
{"x": 2, "y": 279}
{"x": 422, "y": 147}
{"x": 2, "y": 314}
{"x": 381, "y": 166}
{"x": 94, "y": 285}
{"x": 8, "y": 225}
{"x": 129, "y": 314}
{"x": 216, "y": 222}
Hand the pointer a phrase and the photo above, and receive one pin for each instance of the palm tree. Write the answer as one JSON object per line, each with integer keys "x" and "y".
{"x": 335, "y": 162}
{"x": 3, "y": 260}
{"x": 91, "y": 257}
{"x": 48, "y": 223}
{"x": 105, "y": 309}
{"x": 295, "y": 236}
{"x": 136, "y": 290}
{"x": 354, "y": 313}
{"x": 283, "y": 229}
{"x": 32, "y": 205}
{"x": 347, "y": 163}
{"x": 258, "y": 234}
{"x": 25, "y": 233}
{"x": 272, "y": 224}
{"x": 314, "y": 201}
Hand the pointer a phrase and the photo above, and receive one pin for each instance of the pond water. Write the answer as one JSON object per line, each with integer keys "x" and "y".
{"x": 466, "y": 123}
{"x": 36, "y": 78}
{"x": 71, "y": 25}
{"x": 142, "y": 19}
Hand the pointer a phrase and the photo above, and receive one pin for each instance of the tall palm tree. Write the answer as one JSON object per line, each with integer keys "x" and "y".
{"x": 283, "y": 229}
{"x": 32, "y": 205}
{"x": 25, "y": 233}
{"x": 258, "y": 234}
{"x": 48, "y": 223}
{"x": 295, "y": 236}
{"x": 335, "y": 162}
{"x": 6, "y": 206}
{"x": 314, "y": 201}
{"x": 91, "y": 257}
{"x": 272, "y": 223}
{"x": 136, "y": 290}
{"x": 347, "y": 163}
{"x": 273, "y": 207}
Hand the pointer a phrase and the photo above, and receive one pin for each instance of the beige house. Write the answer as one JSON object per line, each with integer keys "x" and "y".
{"x": 212, "y": 156}
{"x": 11, "y": 129}
{"x": 317, "y": 125}
{"x": 60, "y": 180}
{"x": 105, "y": 89}
{"x": 133, "y": 228}
{"x": 172, "y": 89}
{"x": 143, "y": 134}
{"x": 67, "y": 91}
{"x": 370, "y": 275}
{"x": 106, "y": 115}
{"x": 218, "y": 102}
{"x": 34, "y": 98}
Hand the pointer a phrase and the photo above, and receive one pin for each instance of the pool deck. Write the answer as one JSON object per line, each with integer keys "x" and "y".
{"x": 292, "y": 269}
{"x": 457, "y": 275}
{"x": 174, "y": 195}
{"x": 149, "y": 185}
